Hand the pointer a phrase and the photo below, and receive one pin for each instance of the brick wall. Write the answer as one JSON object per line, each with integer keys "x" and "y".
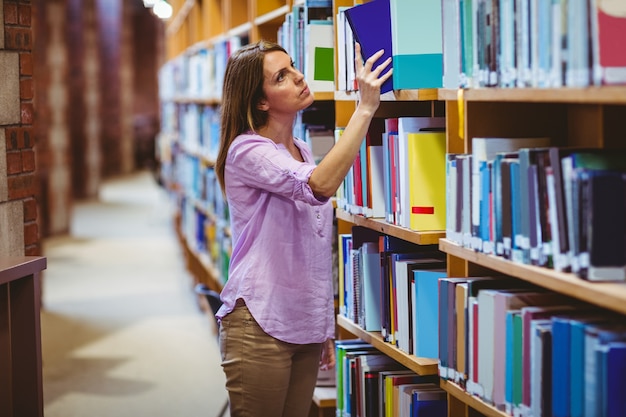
{"x": 19, "y": 221}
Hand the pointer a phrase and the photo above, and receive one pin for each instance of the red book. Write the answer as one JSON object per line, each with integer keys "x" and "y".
{"x": 611, "y": 32}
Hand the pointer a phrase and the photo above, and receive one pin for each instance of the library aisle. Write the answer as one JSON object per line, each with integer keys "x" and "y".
{"x": 122, "y": 332}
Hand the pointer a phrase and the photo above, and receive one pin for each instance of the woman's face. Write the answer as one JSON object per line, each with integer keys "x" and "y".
{"x": 284, "y": 86}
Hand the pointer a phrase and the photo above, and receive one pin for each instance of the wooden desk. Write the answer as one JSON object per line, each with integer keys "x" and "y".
{"x": 21, "y": 391}
{"x": 324, "y": 402}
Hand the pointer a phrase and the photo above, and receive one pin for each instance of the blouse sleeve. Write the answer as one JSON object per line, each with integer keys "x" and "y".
{"x": 260, "y": 163}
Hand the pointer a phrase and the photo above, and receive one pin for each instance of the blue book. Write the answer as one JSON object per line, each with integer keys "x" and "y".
{"x": 429, "y": 403}
{"x": 426, "y": 315}
{"x": 485, "y": 200}
{"x": 597, "y": 335}
{"x": 510, "y": 355}
{"x": 371, "y": 27}
{"x": 613, "y": 398}
{"x": 561, "y": 343}
{"x": 577, "y": 362}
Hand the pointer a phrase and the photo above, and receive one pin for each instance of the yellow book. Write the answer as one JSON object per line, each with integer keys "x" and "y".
{"x": 426, "y": 152}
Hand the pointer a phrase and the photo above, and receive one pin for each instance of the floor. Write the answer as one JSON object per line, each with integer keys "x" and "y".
{"x": 122, "y": 331}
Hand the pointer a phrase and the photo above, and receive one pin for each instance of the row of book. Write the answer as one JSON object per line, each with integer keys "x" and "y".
{"x": 390, "y": 285}
{"x": 204, "y": 211}
{"x": 531, "y": 352}
{"x": 486, "y": 43}
{"x": 544, "y": 205}
{"x": 399, "y": 173}
{"x": 409, "y": 32}
{"x": 199, "y": 72}
{"x": 533, "y": 43}
{"x": 371, "y": 384}
{"x": 199, "y": 127}
{"x": 307, "y": 34}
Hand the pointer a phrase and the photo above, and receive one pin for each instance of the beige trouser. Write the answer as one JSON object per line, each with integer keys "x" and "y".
{"x": 265, "y": 377}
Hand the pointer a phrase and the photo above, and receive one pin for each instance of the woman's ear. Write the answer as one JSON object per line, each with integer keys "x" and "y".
{"x": 263, "y": 105}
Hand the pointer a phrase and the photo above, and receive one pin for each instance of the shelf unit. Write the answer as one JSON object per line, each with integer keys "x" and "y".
{"x": 590, "y": 117}
{"x": 575, "y": 117}
{"x": 21, "y": 390}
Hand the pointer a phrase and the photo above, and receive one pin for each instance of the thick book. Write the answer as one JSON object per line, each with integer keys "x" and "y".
{"x": 417, "y": 44}
{"x": 371, "y": 28}
{"x": 602, "y": 216}
{"x": 407, "y": 125}
{"x": 426, "y": 155}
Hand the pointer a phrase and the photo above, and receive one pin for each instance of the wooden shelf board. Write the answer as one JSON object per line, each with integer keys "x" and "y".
{"x": 240, "y": 30}
{"x": 588, "y": 95}
{"x": 604, "y": 294}
{"x": 470, "y": 400}
{"x": 380, "y": 225}
{"x": 15, "y": 267}
{"x": 422, "y": 366}
{"x": 426, "y": 94}
{"x": 324, "y": 95}
{"x": 272, "y": 16}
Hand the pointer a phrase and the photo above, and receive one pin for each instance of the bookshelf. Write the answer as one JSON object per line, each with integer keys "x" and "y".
{"x": 571, "y": 116}
{"x": 21, "y": 390}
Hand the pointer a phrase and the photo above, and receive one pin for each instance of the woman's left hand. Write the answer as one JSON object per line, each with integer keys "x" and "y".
{"x": 327, "y": 361}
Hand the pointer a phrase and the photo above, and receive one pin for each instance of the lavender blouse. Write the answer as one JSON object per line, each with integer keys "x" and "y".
{"x": 281, "y": 259}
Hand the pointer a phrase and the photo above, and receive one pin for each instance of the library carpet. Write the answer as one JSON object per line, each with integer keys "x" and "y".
{"x": 123, "y": 334}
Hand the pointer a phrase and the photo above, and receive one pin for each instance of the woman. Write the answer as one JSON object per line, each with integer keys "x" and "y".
{"x": 277, "y": 319}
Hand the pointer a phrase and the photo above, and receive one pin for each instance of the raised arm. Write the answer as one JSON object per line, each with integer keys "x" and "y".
{"x": 332, "y": 169}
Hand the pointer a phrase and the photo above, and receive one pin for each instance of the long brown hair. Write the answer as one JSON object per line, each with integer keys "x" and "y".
{"x": 242, "y": 91}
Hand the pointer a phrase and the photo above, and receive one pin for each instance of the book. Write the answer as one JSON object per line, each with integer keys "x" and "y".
{"x": 371, "y": 27}
{"x": 404, "y": 395}
{"x": 485, "y": 149}
{"x": 427, "y": 181}
{"x": 368, "y": 367}
{"x": 426, "y": 319}
{"x": 608, "y": 25}
{"x": 408, "y": 125}
{"x": 492, "y": 307}
{"x": 577, "y": 360}
{"x": 417, "y": 44}
{"x": 428, "y": 403}
{"x": 388, "y": 379}
{"x": 541, "y": 368}
{"x": 404, "y": 273}
{"x": 604, "y": 243}
{"x": 341, "y": 369}
{"x": 320, "y": 55}
{"x": 612, "y": 367}
{"x": 451, "y": 37}
{"x": 392, "y": 379}
{"x": 370, "y": 314}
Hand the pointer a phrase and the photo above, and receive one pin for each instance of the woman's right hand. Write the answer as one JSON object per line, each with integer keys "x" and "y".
{"x": 370, "y": 80}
